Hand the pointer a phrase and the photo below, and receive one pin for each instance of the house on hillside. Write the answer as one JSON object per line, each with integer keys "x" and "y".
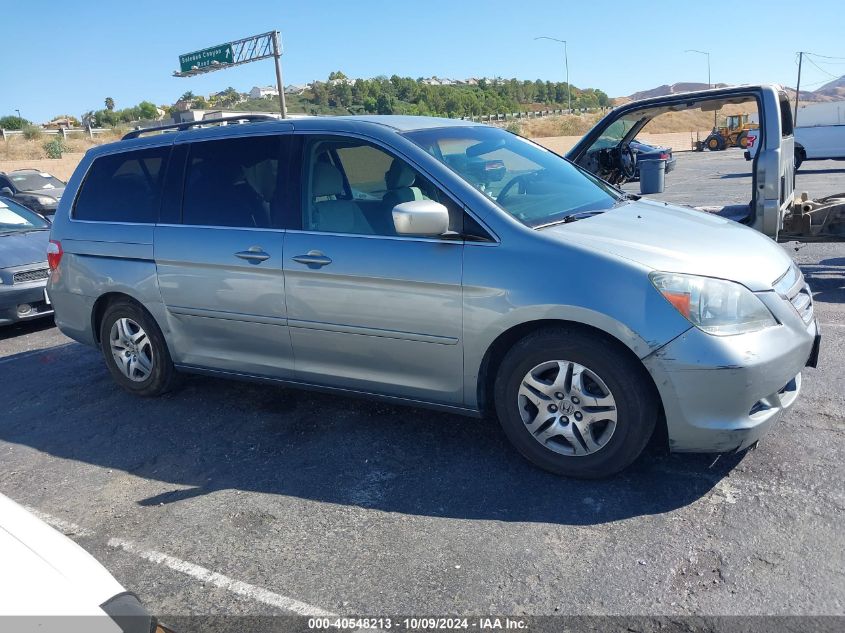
{"x": 296, "y": 89}
{"x": 260, "y": 92}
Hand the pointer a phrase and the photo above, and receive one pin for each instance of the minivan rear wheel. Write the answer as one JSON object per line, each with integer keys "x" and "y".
{"x": 135, "y": 351}
{"x": 574, "y": 403}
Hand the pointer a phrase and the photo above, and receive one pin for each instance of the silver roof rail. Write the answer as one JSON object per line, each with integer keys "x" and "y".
{"x": 189, "y": 124}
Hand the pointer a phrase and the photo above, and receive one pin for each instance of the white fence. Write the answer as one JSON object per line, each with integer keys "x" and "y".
{"x": 64, "y": 132}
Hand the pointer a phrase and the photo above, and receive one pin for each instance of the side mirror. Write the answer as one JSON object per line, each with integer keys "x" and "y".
{"x": 425, "y": 218}
{"x": 5, "y": 191}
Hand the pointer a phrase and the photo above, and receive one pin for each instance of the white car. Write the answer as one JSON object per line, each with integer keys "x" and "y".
{"x": 49, "y": 583}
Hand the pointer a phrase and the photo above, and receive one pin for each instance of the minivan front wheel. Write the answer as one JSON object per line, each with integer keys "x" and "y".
{"x": 134, "y": 350}
{"x": 574, "y": 403}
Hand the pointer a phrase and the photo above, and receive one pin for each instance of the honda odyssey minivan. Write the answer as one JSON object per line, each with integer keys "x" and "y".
{"x": 431, "y": 262}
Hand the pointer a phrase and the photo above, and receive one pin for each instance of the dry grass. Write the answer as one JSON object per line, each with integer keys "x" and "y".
{"x": 19, "y": 148}
{"x": 671, "y": 122}
{"x": 563, "y": 125}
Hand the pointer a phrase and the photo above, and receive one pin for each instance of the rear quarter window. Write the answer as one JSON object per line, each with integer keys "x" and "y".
{"x": 123, "y": 187}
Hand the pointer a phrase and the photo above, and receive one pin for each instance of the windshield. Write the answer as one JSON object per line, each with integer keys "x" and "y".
{"x": 529, "y": 182}
{"x": 615, "y": 132}
{"x": 35, "y": 182}
{"x": 14, "y": 217}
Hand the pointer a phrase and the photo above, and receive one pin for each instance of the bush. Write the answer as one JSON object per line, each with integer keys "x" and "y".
{"x": 55, "y": 147}
{"x": 32, "y": 132}
{"x": 513, "y": 127}
{"x": 13, "y": 123}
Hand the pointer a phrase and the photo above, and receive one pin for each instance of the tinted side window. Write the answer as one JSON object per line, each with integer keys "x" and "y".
{"x": 234, "y": 182}
{"x": 123, "y": 187}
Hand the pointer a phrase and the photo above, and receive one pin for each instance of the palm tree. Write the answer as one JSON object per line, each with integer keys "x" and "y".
{"x": 109, "y": 103}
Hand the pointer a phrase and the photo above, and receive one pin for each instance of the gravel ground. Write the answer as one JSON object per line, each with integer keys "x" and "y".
{"x": 302, "y": 501}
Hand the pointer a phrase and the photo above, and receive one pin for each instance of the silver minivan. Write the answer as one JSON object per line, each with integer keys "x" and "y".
{"x": 431, "y": 262}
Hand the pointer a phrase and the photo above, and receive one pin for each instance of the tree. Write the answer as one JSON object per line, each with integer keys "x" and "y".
{"x": 109, "y": 103}
{"x": 147, "y": 111}
{"x": 11, "y": 122}
{"x": 385, "y": 104}
{"x": 187, "y": 96}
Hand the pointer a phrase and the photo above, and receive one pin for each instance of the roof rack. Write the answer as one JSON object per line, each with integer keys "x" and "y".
{"x": 189, "y": 124}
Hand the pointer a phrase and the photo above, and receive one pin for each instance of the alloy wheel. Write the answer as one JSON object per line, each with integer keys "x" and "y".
{"x": 567, "y": 408}
{"x": 131, "y": 349}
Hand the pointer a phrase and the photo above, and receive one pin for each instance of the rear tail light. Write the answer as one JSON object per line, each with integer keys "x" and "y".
{"x": 664, "y": 156}
{"x": 54, "y": 254}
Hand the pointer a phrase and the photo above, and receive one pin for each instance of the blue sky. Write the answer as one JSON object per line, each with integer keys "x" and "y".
{"x": 69, "y": 56}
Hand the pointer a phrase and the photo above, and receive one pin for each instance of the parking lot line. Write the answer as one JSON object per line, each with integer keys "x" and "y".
{"x": 259, "y": 594}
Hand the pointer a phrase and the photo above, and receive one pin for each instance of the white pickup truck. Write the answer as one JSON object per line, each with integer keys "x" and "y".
{"x": 819, "y": 134}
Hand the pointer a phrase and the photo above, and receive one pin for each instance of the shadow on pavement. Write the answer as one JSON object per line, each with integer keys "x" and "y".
{"x": 827, "y": 279}
{"x": 26, "y": 327}
{"x": 214, "y": 435}
{"x": 808, "y": 171}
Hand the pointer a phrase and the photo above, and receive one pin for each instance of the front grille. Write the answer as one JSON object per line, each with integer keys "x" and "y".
{"x": 792, "y": 287}
{"x": 25, "y": 276}
{"x": 802, "y": 301}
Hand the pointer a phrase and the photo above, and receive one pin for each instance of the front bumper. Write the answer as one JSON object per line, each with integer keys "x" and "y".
{"x": 14, "y": 297}
{"x": 721, "y": 394}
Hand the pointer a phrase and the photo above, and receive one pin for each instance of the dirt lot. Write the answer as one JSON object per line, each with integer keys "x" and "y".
{"x": 234, "y": 498}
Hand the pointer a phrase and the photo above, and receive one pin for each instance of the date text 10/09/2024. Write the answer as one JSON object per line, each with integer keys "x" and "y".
{"x": 416, "y": 623}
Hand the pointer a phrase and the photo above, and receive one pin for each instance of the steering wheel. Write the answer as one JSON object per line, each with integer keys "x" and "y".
{"x": 627, "y": 162}
{"x": 521, "y": 180}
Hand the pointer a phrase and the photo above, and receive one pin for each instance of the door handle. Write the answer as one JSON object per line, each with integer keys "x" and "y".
{"x": 313, "y": 259}
{"x": 254, "y": 255}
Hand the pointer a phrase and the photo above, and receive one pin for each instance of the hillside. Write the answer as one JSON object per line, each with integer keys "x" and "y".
{"x": 666, "y": 89}
{"x": 834, "y": 89}
{"x": 829, "y": 92}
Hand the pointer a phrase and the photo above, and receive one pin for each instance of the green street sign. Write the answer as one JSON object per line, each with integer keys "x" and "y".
{"x": 221, "y": 54}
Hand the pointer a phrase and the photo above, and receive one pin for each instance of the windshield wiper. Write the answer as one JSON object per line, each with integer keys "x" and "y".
{"x": 572, "y": 217}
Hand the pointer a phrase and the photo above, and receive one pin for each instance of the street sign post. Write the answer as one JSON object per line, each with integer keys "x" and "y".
{"x": 249, "y": 49}
{"x": 214, "y": 56}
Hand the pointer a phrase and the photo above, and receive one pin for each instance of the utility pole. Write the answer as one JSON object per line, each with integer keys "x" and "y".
{"x": 797, "y": 89}
{"x": 566, "y": 64}
{"x": 277, "y": 55}
{"x": 709, "y": 82}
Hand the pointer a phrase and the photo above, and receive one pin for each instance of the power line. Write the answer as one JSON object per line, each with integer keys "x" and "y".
{"x": 822, "y": 69}
{"x": 824, "y": 56}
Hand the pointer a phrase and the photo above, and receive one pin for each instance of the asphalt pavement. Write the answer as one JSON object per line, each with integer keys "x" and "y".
{"x": 235, "y": 498}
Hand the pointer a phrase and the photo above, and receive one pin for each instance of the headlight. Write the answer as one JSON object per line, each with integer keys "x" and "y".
{"x": 716, "y": 306}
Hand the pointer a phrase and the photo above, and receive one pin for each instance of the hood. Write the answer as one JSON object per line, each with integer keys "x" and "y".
{"x": 45, "y": 573}
{"x": 20, "y": 249}
{"x": 56, "y": 192}
{"x": 680, "y": 240}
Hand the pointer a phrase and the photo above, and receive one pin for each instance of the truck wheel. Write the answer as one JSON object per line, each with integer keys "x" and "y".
{"x": 135, "y": 351}
{"x": 799, "y": 158}
{"x": 715, "y": 143}
{"x": 742, "y": 140}
{"x": 574, "y": 403}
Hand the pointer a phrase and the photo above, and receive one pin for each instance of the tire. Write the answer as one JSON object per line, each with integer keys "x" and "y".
{"x": 742, "y": 140}
{"x": 610, "y": 446}
{"x": 152, "y": 371}
{"x": 714, "y": 143}
{"x": 799, "y": 158}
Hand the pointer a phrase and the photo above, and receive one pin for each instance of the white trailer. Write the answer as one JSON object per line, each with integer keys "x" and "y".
{"x": 820, "y": 132}
{"x": 819, "y": 135}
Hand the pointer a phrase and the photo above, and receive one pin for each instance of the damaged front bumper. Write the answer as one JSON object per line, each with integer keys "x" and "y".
{"x": 722, "y": 394}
